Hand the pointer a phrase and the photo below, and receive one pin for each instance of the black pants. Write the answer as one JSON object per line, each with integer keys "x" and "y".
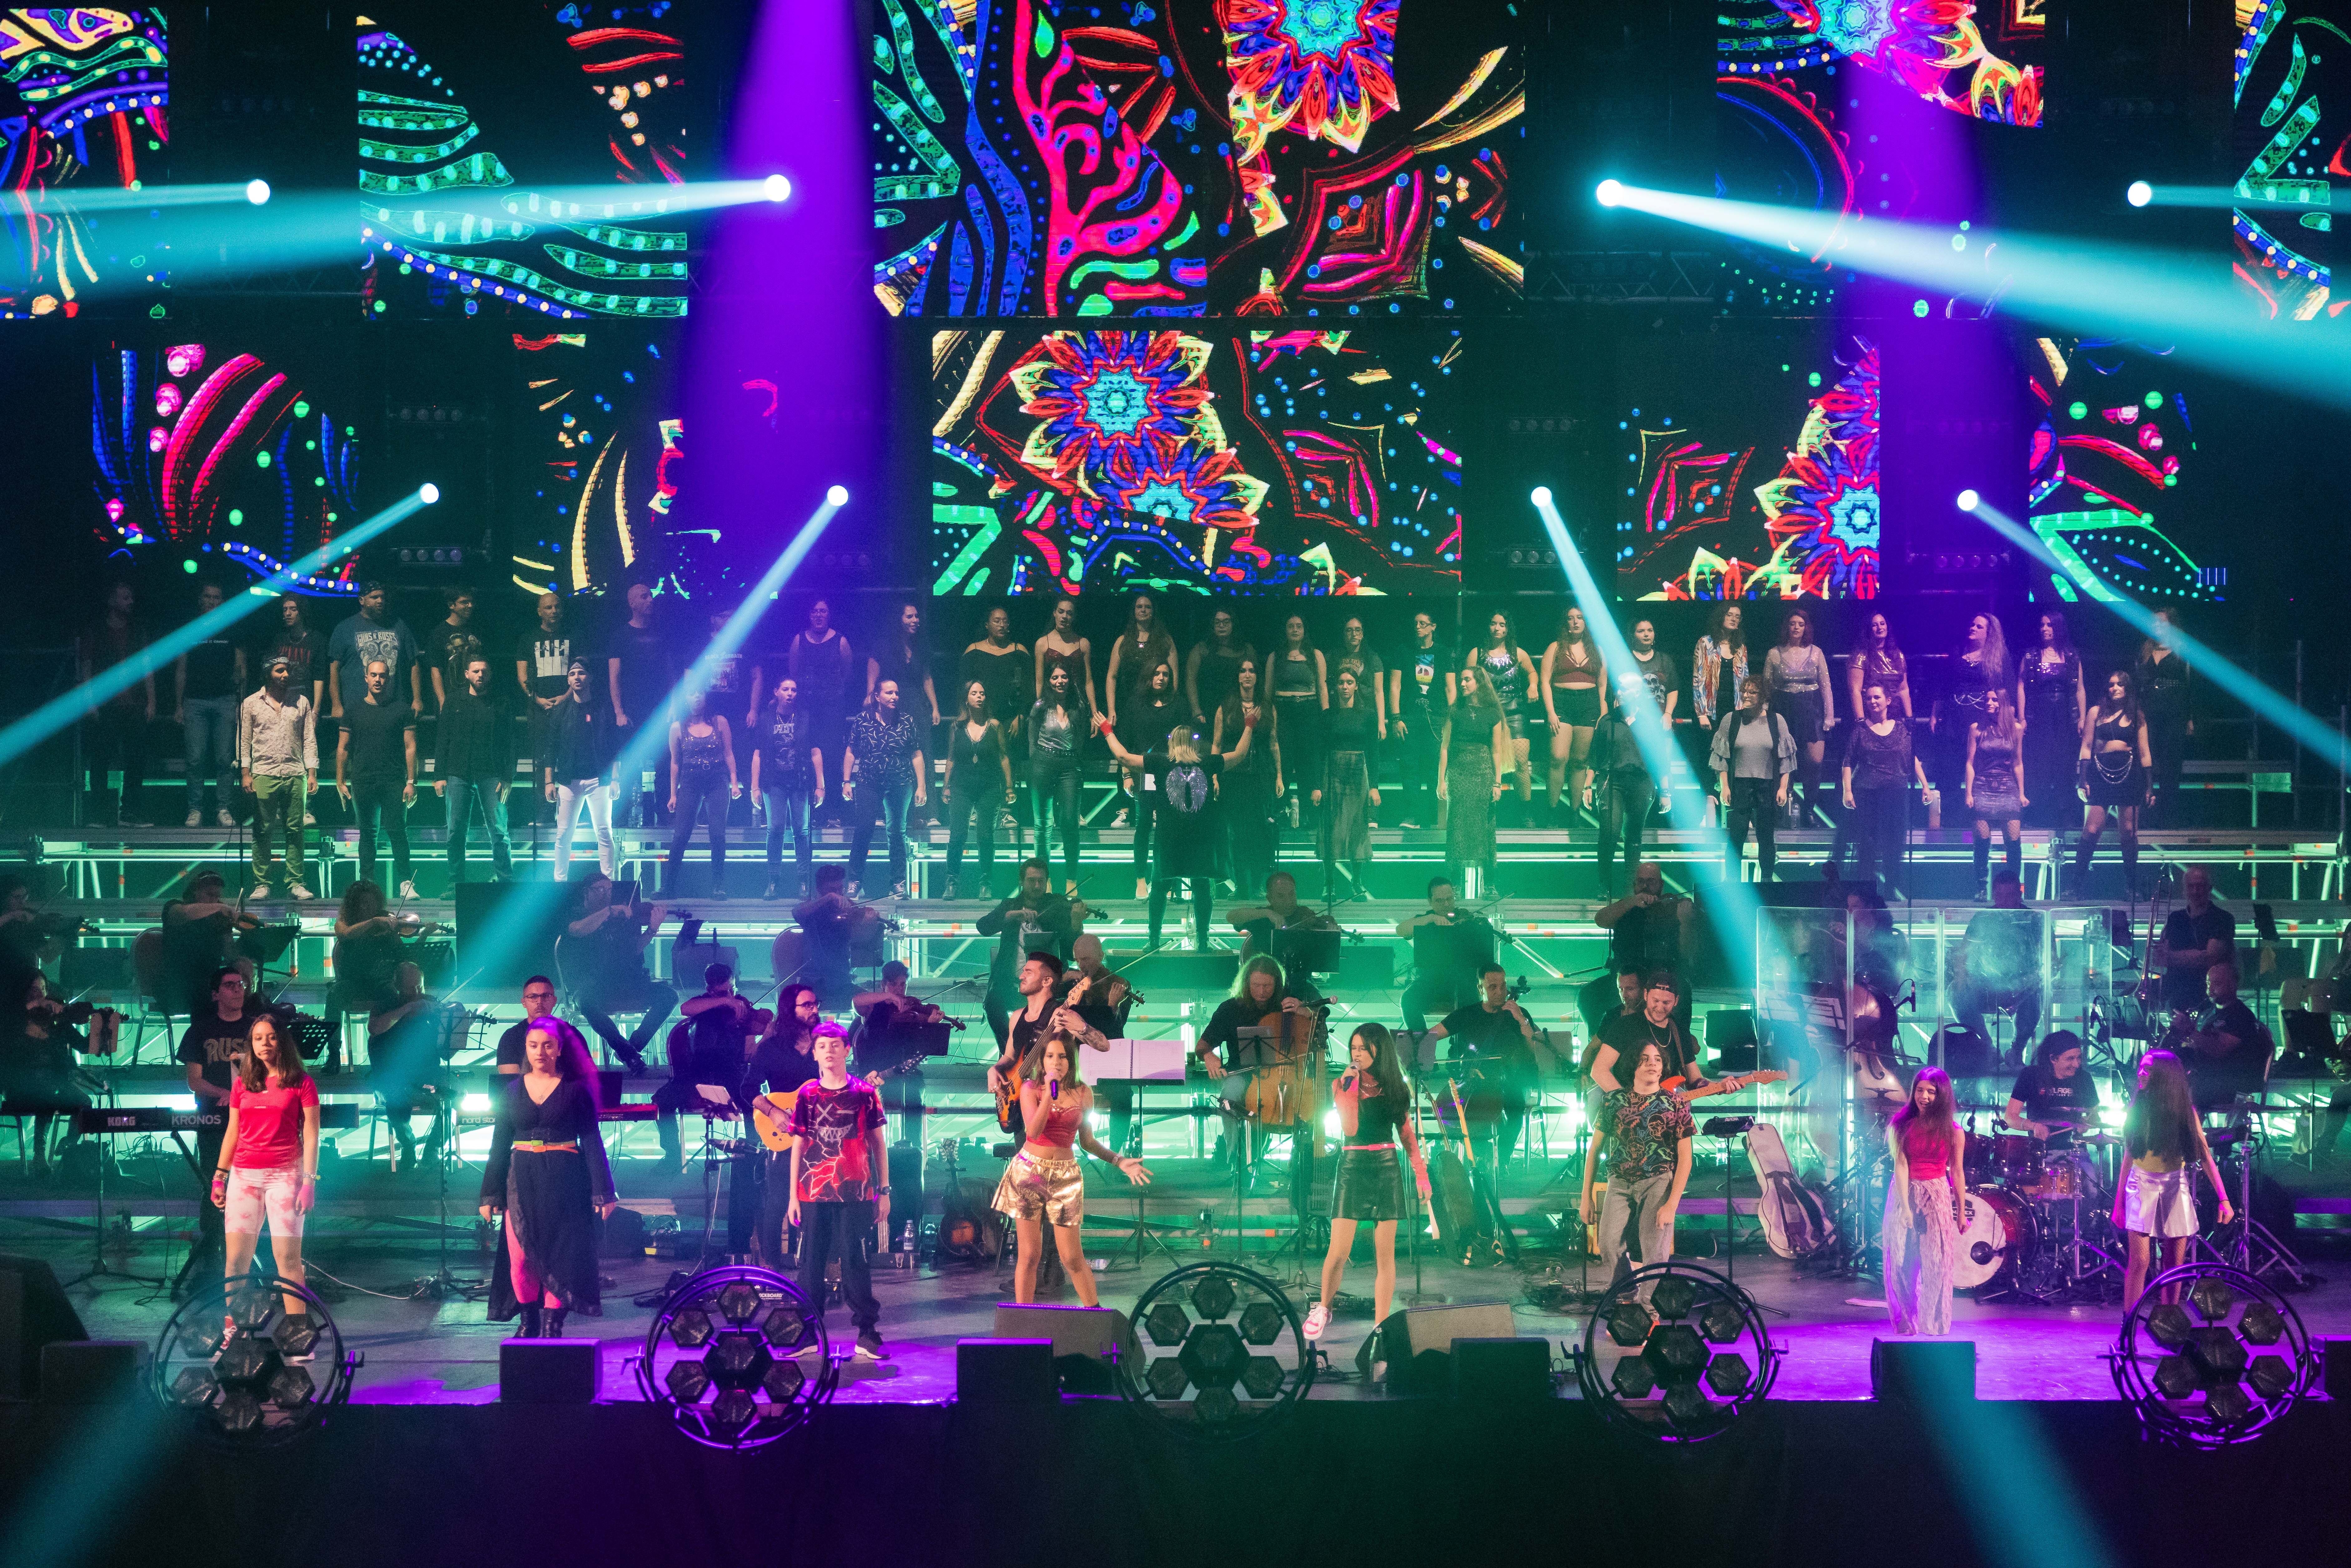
{"x": 843, "y": 1230}
{"x": 1203, "y": 889}
{"x": 1632, "y": 794}
{"x": 967, "y": 810}
{"x": 116, "y": 737}
{"x": 1251, "y": 837}
{"x": 696, "y": 797}
{"x": 1439, "y": 993}
{"x": 1753, "y": 803}
{"x": 1972, "y": 1001}
{"x": 1053, "y": 790}
{"x": 1876, "y": 823}
{"x": 657, "y": 1002}
{"x": 2166, "y": 745}
{"x": 375, "y": 800}
{"x": 205, "y": 1260}
{"x": 775, "y": 1208}
{"x": 1416, "y": 756}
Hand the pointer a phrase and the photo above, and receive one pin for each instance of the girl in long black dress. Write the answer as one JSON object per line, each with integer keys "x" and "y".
{"x": 2053, "y": 702}
{"x": 548, "y": 1175}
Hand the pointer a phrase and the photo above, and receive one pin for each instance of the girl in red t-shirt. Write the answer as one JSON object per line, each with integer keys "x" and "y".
{"x": 269, "y": 1154}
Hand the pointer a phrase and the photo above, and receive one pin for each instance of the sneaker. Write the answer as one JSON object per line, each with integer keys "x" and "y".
{"x": 128, "y": 820}
{"x": 1317, "y": 1318}
{"x": 408, "y": 890}
{"x": 195, "y": 818}
{"x": 296, "y": 890}
{"x": 309, "y": 819}
{"x": 1121, "y": 820}
{"x": 225, "y": 817}
{"x": 955, "y": 890}
{"x": 869, "y": 1347}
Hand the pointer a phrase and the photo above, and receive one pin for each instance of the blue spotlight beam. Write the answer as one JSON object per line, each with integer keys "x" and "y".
{"x": 2290, "y": 194}
{"x": 2307, "y": 729}
{"x": 2079, "y": 285}
{"x": 653, "y": 739}
{"x": 153, "y": 198}
{"x": 157, "y": 656}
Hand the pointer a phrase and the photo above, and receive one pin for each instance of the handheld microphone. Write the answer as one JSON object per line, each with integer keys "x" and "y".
{"x": 1052, "y": 1089}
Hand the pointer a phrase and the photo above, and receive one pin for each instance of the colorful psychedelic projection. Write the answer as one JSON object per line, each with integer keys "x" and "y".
{"x": 1297, "y": 462}
{"x": 1766, "y": 488}
{"x": 2106, "y": 457}
{"x": 83, "y": 95}
{"x": 1193, "y": 157}
{"x": 206, "y": 448}
{"x": 2292, "y": 132}
{"x": 445, "y": 226}
{"x": 1795, "y": 126}
{"x": 610, "y": 454}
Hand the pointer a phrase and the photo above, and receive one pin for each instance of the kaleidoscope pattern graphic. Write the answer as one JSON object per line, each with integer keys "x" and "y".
{"x": 1298, "y": 463}
{"x": 1273, "y": 157}
{"x": 1691, "y": 529}
{"x": 1935, "y": 49}
{"x": 84, "y": 100}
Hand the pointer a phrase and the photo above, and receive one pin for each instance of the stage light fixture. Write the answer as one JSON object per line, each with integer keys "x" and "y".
{"x": 2140, "y": 192}
{"x": 266, "y": 1382}
{"x": 837, "y": 495}
{"x": 2190, "y": 1370}
{"x": 258, "y": 192}
{"x": 1682, "y": 1367}
{"x": 739, "y": 1358}
{"x": 1540, "y": 495}
{"x": 776, "y": 187}
{"x": 1609, "y": 192}
{"x": 1967, "y": 500}
{"x": 1226, "y": 1326}
{"x": 428, "y": 493}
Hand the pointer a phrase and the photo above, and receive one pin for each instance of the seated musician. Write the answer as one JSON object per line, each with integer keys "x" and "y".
{"x": 1279, "y": 912}
{"x": 889, "y": 1007}
{"x": 601, "y": 957}
{"x": 406, "y": 1035}
{"x": 37, "y": 1042}
{"x": 1997, "y": 964}
{"x": 1260, "y": 990}
{"x": 827, "y": 924}
{"x": 1441, "y": 989}
{"x": 1494, "y": 1036}
{"x": 538, "y": 1002}
{"x": 1648, "y": 929}
{"x": 712, "y": 1046}
{"x": 199, "y": 936}
{"x": 2053, "y": 1096}
{"x": 1103, "y": 1005}
{"x": 28, "y": 938}
{"x": 1034, "y": 918}
{"x": 2225, "y": 1047}
{"x": 369, "y": 948}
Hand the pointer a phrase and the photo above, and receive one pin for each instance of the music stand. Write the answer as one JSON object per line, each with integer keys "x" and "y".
{"x": 1305, "y": 950}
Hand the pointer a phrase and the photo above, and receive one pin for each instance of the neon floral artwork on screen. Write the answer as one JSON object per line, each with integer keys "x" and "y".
{"x": 2292, "y": 132}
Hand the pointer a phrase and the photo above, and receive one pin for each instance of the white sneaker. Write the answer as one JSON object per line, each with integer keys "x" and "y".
{"x": 296, "y": 890}
{"x": 309, "y": 820}
{"x": 408, "y": 889}
{"x": 225, "y": 817}
{"x": 195, "y": 819}
{"x": 1317, "y": 1318}
{"x": 1120, "y": 820}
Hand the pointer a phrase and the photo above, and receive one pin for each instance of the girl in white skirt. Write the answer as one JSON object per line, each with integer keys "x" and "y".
{"x": 1921, "y": 1235}
{"x": 2152, "y": 1201}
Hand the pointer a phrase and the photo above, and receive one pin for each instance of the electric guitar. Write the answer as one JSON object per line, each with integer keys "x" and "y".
{"x": 778, "y": 1137}
{"x": 1008, "y": 1087}
{"x": 1731, "y": 1085}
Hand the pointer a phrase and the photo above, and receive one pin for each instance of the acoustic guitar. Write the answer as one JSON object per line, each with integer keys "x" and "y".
{"x": 779, "y": 1139}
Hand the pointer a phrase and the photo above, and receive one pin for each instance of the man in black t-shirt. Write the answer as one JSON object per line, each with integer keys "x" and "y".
{"x": 543, "y": 670}
{"x": 376, "y": 773}
{"x": 1494, "y": 1034}
{"x": 2226, "y": 1048}
{"x": 211, "y": 1049}
{"x": 1621, "y": 1038}
{"x": 197, "y": 933}
{"x": 2053, "y": 1096}
{"x": 538, "y": 1002}
{"x": 448, "y": 645}
{"x": 2199, "y": 934}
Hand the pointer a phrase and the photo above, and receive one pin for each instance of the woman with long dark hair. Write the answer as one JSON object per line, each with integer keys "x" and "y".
{"x": 820, "y": 659}
{"x": 1143, "y": 723}
{"x": 1371, "y": 674}
{"x": 1042, "y": 1185}
{"x": 1211, "y": 667}
{"x": 884, "y": 771}
{"x": 1301, "y": 684}
{"x": 1921, "y": 1237}
{"x": 548, "y": 1179}
{"x": 1510, "y": 676}
{"x": 1062, "y": 647}
{"x": 702, "y": 775}
{"x": 1719, "y": 670}
{"x": 1878, "y": 768}
{"x": 1575, "y": 683}
{"x": 1995, "y": 789}
{"x": 905, "y": 657}
{"x": 1003, "y": 667}
{"x": 269, "y": 1154}
{"x": 2052, "y": 702}
{"x": 1796, "y": 675}
{"x": 980, "y": 785}
{"x": 1876, "y": 657}
{"x": 2165, "y": 684}
{"x": 1981, "y": 669}
{"x": 1056, "y": 725}
{"x": 1349, "y": 791}
{"x": 787, "y": 773}
{"x": 2152, "y": 1201}
{"x": 2114, "y": 764}
{"x": 1247, "y": 790}
{"x": 1469, "y": 770}
{"x": 1374, "y": 1100}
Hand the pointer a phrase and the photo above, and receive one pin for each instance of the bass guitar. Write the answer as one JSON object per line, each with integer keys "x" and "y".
{"x": 779, "y": 1137}
{"x": 1008, "y": 1082}
{"x": 1721, "y": 1085}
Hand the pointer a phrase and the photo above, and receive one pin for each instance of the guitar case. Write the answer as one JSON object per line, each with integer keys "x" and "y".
{"x": 1795, "y": 1223}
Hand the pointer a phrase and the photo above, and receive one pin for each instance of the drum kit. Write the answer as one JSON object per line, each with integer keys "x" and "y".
{"x": 2032, "y": 1210}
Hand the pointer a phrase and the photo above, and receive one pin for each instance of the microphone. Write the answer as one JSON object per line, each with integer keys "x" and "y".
{"x": 1052, "y": 1089}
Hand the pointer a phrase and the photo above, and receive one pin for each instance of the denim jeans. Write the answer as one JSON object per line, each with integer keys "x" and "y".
{"x": 462, "y": 793}
{"x": 211, "y": 730}
{"x": 788, "y": 811}
{"x": 597, "y": 797}
{"x": 894, "y": 800}
{"x": 629, "y": 785}
{"x": 694, "y": 796}
{"x": 375, "y": 800}
{"x": 1054, "y": 790}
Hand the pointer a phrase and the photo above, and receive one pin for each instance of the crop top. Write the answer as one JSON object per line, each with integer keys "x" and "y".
{"x": 1060, "y": 1130}
{"x": 1929, "y": 1151}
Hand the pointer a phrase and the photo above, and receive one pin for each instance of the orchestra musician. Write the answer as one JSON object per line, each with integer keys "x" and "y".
{"x": 368, "y": 953}
{"x": 1260, "y": 924}
{"x": 1648, "y": 929}
{"x": 199, "y": 936}
{"x": 1441, "y": 987}
{"x": 538, "y": 1002}
{"x": 1103, "y": 1005}
{"x": 1260, "y": 990}
{"x": 828, "y": 924}
{"x": 407, "y": 1039}
{"x": 711, "y": 1046}
{"x": 601, "y": 957}
{"x": 38, "y": 1038}
{"x": 1035, "y": 918}
{"x": 28, "y": 938}
{"x": 1495, "y": 1033}
{"x": 882, "y": 1011}
{"x": 2198, "y": 936}
{"x": 2225, "y": 1048}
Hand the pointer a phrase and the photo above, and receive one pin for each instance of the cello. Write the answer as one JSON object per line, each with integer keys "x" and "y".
{"x": 1283, "y": 1087}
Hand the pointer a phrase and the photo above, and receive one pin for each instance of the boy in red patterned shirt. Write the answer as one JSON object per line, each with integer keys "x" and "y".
{"x": 836, "y": 1149}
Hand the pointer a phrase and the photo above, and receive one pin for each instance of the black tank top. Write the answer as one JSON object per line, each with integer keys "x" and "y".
{"x": 1376, "y": 1120}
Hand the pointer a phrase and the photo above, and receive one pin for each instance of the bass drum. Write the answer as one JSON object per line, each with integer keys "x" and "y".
{"x": 1996, "y": 1238}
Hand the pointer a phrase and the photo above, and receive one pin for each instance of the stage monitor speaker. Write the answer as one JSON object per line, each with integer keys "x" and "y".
{"x": 550, "y": 1371}
{"x": 34, "y": 1313}
{"x": 1932, "y": 1373}
{"x": 2334, "y": 1373}
{"x": 1417, "y": 1342}
{"x": 1088, "y": 1342}
{"x": 92, "y": 1372}
{"x": 507, "y": 930}
{"x": 1497, "y": 1369}
{"x": 1005, "y": 1372}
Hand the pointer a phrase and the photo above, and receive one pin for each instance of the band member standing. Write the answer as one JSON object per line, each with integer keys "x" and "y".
{"x": 837, "y": 1202}
{"x": 1575, "y": 687}
{"x": 271, "y": 1163}
{"x": 702, "y": 775}
{"x": 1495, "y": 1033}
{"x": 1423, "y": 685}
{"x": 882, "y": 769}
{"x": 2053, "y": 706}
{"x": 1177, "y": 783}
{"x": 538, "y": 1002}
{"x": 1995, "y": 787}
{"x": 1630, "y": 793}
{"x": 577, "y": 745}
{"x": 1644, "y": 1133}
{"x": 1056, "y": 728}
{"x": 639, "y": 675}
{"x": 2152, "y": 1201}
{"x": 1061, "y": 648}
{"x": 1754, "y": 754}
{"x": 1441, "y": 987}
{"x": 904, "y": 657}
{"x": 784, "y": 1060}
{"x": 1796, "y": 675}
{"x": 1468, "y": 771}
{"x": 787, "y": 773}
{"x": 1300, "y": 680}
{"x": 1921, "y": 1234}
{"x": 2113, "y": 763}
{"x": 1374, "y": 1100}
{"x": 1246, "y": 792}
{"x": 1348, "y": 792}
{"x": 2165, "y": 683}
{"x": 407, "y": 1046}
{"x": 1878, "y": 768}
{"x": 1144, "y": 648}
{"x": 207, "y": 682}
{"x": 978, "y": 785}
{"x": 2054, "y": 1097}
{"x": 1003, "y": 666}
{"x": 277, "y": 750}
{"x": 820, "y": 659}
{"x": 1042, "y": 1010}
{"x": 213, "y": 1050}
{"x": 1147, "y": 715}
{"x": 545, "y": 1183}
{"x": 1034, "y": 918}
{"x": 1043, "y": 1184}
{"x": 601, "y": 957}
{"x": 375, "y": 773}
{"x": 1623, "y": 1037}
{"x": 474, "y": 762}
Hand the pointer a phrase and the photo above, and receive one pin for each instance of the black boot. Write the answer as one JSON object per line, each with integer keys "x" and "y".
{"x": 554, "y": 1316}
{"x": 530, "y": 1324}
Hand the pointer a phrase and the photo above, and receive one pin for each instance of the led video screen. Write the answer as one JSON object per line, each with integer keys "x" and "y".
{"x": 1233, "y": 461}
